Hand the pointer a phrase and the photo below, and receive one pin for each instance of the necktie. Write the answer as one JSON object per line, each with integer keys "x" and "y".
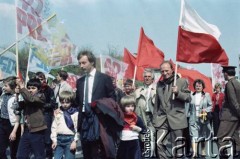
{"x": 86, "y": 90}
{"x": 58, "y": 90}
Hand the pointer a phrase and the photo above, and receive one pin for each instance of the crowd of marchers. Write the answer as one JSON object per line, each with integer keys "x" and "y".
{"x": 148, "y": 121}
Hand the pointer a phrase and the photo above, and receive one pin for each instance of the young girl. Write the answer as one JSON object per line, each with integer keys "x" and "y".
{"x": 129, "y": 147}
{"x": 64, "y": 127}
{"x": 9, "y": 123}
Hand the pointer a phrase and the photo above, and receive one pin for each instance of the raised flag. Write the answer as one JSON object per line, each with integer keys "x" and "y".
{"x": 131, "y": 61}
{"x": 148, "y": 55}
{"x": 192, "y": 75}
{"x": 113, "y": 67}
{"x": 197, "y": 39}
{"x": 7, "y": 64}
{"x": 217, "y": 75}
{"x": 30, "y": 15}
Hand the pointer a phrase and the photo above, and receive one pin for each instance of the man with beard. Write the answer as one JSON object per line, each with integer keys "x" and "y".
{"x": 169, "y": 114}
{"x": 93, "y": 86}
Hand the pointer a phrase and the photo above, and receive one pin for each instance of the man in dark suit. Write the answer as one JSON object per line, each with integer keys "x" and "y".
{"x": 230, "y": 114}
{"x": 169, "y": 114}
{"x": 92, "y": 86}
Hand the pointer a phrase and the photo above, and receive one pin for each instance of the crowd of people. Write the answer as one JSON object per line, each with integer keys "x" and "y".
{"x": 47, "y": 122}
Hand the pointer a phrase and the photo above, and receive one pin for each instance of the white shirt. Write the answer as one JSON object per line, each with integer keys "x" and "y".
{"x": 198, "y": 97}
{"x": 148, "y": 94}
{"x": 59, "y": 126}
{"x": 90, "y": 87}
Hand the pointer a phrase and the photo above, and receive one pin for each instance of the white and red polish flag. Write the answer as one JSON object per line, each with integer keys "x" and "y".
{"x": 197, "y": 39}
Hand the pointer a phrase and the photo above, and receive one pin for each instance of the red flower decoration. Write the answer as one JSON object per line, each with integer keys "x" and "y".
{"x": 94, "y": 104}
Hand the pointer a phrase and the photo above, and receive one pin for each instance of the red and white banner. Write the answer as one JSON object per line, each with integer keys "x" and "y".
{"x": 30, "y": 15}
{"x": 217, "y": 75}
{"x": 197, "y": 39}
{"x": 113, "y": 67}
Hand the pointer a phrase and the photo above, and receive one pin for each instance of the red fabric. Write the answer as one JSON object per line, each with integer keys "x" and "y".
{"x": 20, "y": 75}
{"x": 131, "y": 61}
{"x": 130, "y": 119}
{"x": 220, "y": 100}
{"x": 148, "y": 56}
{"x": 192, "y": 75}
{"x": 199, "y": 48}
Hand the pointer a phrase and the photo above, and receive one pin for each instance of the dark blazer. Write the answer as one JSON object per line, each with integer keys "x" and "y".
{"x": 102, "y": 87}
{"x": 231, "y": 106}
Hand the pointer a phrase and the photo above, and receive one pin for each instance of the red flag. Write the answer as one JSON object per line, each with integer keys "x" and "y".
{"x": 131, "y": 60}
{"x": 149, "y": 56}
{"x": 192, "y": 75}
{"x": 198, "y": 40}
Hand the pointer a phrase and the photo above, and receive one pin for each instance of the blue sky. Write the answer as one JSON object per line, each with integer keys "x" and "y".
{"x": 97, "y": 24}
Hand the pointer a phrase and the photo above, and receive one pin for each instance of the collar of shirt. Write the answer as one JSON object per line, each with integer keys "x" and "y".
{"x": 93, "y": 72}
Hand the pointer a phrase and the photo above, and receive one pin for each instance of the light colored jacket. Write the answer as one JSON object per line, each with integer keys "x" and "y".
{"x": 12, "y": 104}
{"x": 59, "y": 126}
{"x": 141, "y": 99}
{"x": 205, "y": 104}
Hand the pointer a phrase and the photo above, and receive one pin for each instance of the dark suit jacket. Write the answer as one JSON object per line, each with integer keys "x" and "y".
{"x": 102, "y": 87}
{"x": 231, "y": 106}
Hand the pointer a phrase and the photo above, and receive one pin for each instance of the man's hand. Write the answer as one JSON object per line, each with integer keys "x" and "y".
{"x": 175, "y": 89}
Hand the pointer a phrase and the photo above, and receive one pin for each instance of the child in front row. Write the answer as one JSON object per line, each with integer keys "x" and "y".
{"x": 9, "y": 122}
{"x": 32, "y": 140}
{"x": 64, "y": 127}
{"x": 129, "y": 147}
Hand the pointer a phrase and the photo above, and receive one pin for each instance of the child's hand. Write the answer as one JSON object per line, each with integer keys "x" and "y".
{"x": 20, "y": 83}
{"x": 12, "y": 136}
{"x": 73, "y": 146}
{"x": 56, "y": 111}
{"x": 54, "y": 145}
{"x": 136, "y": 128}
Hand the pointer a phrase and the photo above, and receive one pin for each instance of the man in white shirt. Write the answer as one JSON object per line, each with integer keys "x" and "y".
{"x": 92, "y": 86}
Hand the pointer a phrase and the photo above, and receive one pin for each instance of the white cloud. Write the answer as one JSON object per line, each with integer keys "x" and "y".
{"x": 7, "y": 10}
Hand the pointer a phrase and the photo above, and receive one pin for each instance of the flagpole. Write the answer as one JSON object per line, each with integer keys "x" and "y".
{"x": 29, "y": 56}
{"x": 212, "y": 75}
{"x": 17, "y": 63}
{"x": 175, "y": 79}
{"x": 101, "y": 63}
{"x": 134, "y": 75}
{"x": 18, "y": 40}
